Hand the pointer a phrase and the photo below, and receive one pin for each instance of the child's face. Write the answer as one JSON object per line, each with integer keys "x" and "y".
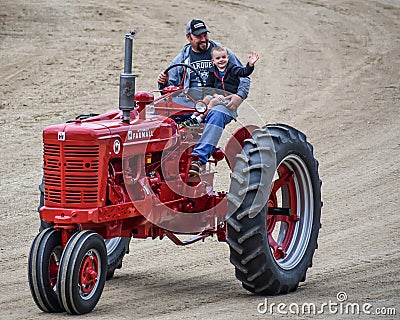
{"x": 220, "y": 59}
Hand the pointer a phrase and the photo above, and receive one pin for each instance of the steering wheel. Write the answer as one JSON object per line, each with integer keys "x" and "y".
{"x": 186, "y": 66}
{"x": 199, "y": 105}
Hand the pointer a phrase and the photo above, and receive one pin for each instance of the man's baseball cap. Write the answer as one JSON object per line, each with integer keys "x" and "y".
{"x": 196, "y": 27}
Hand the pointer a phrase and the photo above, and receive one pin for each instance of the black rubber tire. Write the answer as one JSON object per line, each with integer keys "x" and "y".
{"x": 116, "y": 247}
{"x": 43, "y": 224}
{"x": 46, "y": 249}
{"x": 250, "y": 252}
{"x": 82, "y": 247}
{"x": 116, "y": 250}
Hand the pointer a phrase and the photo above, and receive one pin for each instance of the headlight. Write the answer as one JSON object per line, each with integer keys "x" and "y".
{"x": 200, "y": 106}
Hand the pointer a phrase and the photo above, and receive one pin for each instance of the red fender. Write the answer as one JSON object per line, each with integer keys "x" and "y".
{"x": 235, "y": 143}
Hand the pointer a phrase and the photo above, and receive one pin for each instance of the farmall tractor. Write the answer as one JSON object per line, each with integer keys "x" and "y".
{"x": 123, "y": 174}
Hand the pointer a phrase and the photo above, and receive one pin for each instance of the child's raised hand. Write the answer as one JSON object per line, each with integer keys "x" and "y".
{"x": 253, "y": 57}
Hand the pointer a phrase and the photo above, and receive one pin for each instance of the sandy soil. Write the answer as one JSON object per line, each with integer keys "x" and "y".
{"x": 329, "y": 68}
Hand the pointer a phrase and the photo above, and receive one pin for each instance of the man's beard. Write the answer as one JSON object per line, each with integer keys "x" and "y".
{"x": 202, "y": 46}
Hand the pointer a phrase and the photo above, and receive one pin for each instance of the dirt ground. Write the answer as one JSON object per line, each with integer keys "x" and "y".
{"x": 328, "y": 68}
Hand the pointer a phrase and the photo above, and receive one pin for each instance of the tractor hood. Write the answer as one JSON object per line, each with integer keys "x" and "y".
{"x": 81, "y": 131}
{"x": 156, "y": 129}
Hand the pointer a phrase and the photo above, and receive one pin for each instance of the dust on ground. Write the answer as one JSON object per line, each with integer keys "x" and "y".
{"x": 328, "y": 68}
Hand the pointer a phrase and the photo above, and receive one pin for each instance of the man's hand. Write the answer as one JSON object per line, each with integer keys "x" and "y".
{"x": 234, "y": 103}
{"x": 162, "y": 78}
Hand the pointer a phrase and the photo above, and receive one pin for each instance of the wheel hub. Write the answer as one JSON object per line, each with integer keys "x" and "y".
{"x": 290, "y": 212}
{"x": 88, "y": 273}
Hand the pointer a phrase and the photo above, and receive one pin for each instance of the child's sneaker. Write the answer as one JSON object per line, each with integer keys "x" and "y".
{"x": 189, "y": 122}
{"x": 195, "y": 168}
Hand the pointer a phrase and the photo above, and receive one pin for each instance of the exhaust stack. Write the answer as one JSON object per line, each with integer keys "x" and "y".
{"x": 127, "y": 81}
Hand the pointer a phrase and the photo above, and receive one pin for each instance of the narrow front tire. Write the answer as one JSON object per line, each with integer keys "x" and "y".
{"x": 82, "y": 273}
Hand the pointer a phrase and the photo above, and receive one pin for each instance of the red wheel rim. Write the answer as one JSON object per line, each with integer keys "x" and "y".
{"x": 284, "y": 183}
{"x": 88, "y": 274}
{"x": 54, "y": 263}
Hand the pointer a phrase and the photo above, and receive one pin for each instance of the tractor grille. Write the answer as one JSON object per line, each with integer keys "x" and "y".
{"x": 71, "y": 173}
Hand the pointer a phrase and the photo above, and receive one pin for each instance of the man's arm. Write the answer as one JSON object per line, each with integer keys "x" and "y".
{"x": 174, "y": 76}
{"x": 243, "y": 89}
{"x": 244, "y": 85}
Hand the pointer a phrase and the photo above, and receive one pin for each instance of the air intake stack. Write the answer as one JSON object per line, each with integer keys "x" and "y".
{"x": 127, "y": 80}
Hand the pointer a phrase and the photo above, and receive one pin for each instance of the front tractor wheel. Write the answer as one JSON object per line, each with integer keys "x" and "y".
{"x": 43, "y": 263}
{"x": 116, "y": 247}
{"x": 275, "y": 208}
{"x": 82, "y": 272}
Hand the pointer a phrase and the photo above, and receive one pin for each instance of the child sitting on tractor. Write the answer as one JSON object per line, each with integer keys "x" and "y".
{"x": 224, "y": 76}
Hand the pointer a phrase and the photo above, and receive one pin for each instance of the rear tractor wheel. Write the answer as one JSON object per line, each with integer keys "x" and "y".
{"x": 275, "y": 207}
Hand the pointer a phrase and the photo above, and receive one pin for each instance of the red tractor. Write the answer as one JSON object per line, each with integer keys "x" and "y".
{"x": 123, "y": 174}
